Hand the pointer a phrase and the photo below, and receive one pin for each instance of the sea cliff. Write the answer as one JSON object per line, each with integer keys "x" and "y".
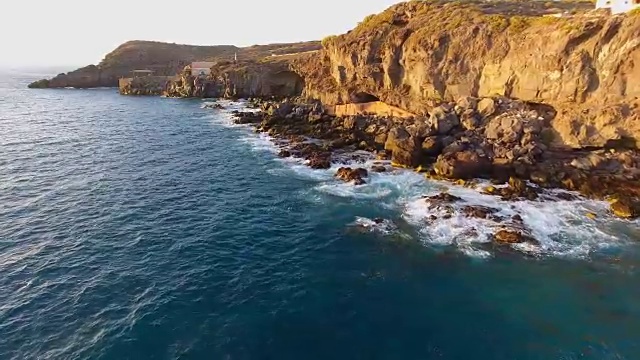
{"x": 163, "y": 59}
{"x": 420, "y": 54}
{"x": 417, "y": 55}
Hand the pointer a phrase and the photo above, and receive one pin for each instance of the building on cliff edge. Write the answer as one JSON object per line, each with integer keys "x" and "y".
{"x": 618, "y": 6}
{"x": 201, "y": 68}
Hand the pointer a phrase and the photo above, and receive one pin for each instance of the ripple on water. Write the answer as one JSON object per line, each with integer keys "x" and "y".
{"x": 147, "y": 228}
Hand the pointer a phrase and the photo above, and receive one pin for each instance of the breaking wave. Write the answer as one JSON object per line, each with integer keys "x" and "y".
{"x": 562, "y": 228}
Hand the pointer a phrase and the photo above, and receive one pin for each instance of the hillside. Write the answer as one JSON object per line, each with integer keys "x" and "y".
{"x": 163, "y": 58}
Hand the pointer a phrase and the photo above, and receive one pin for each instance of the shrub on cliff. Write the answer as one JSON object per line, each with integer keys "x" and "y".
{"x": 328, "y": 40}
{"x": 40, "y": 84}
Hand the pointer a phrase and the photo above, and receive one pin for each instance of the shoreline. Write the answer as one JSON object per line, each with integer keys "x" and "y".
{"x": 603, "y": 174}
{"x": 477, "y": 224}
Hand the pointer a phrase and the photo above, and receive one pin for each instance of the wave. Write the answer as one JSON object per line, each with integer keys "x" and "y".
{"x": 562, "y": 228}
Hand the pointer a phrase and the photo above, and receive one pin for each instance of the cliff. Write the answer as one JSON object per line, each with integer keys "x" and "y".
{"x": 163, "y": 58}
{"x": 270, "y": 76}
{"x": 419, "y": 54}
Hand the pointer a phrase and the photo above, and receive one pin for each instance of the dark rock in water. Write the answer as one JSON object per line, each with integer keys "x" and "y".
{"x": 442, "y": 202}
{"x": 378, "y": 168}
{"x": 565, "y": 196}
{"x": 247, "y": 117}
{"x": 319, "y": 161}
{"x": 214, "y": 106}
{"x": 626, "y": 208}
{"x": 517, "y": 218}
{"x": 517, "y": 190}
{"x": 479, "y": 211}
{"x": 378, "y": 220}
{"x": 442, "y": 197}
{"x": 348, "y": 174}
{"x": 284, "y": 153}
{"x": 512, "y": 236}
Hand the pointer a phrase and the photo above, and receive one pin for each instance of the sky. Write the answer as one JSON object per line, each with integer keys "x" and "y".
{"x": 81, "y": 32}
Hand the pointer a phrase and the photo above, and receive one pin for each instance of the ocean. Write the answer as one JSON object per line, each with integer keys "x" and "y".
{"x": 153, "y": 228}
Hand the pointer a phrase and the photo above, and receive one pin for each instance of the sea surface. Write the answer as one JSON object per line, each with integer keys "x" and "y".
{"x": 153, "y": 228}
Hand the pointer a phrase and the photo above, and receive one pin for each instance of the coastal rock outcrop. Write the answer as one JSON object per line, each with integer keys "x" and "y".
{"x": 581, "y": 66}
{"x": 270, "y": 77}
{"x": 164, "y": 59}
{"x": 352, "y": 175}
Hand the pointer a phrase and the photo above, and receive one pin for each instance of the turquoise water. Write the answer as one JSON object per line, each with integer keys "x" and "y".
{"x": 150, "y": 228}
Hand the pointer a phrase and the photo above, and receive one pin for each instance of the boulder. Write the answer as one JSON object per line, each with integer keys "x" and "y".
{"x": 285, "y": 108}
{"x": 626, "y": 208}
{"x": 352, "y": 175}
{"x": 404, "y": 148}
{"x": 467, "y": 103}
{"x": 462, "y": 165}
{"x": 319, "y": 161}
{"x": 479, "y": 211}
{"x": 592, "y": 161}
{"x": 381, "y": 138}
{"x": 442, "y": 202}
{"x": 284, "y": 153}
{"x": 432, "y": 146}
{"x": 421, "y": 130}
{"x": 486, "y": 107}
{"x": 469, "y": 120}
{"x": 443, "y": 121}
{"x": 510, "y": 236}
{"x": 506, "y": 128}
{"x": 349, "y": 122}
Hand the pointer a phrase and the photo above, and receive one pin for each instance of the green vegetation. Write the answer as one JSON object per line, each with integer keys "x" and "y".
{"x": 497, "y": 22}
{"x": 518, "y": 24}
{"x": 374, "y": 21}
{"x": 328, "y": 40}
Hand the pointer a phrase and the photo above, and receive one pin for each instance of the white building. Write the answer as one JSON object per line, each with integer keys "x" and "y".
{"x": 201, "y": 68}
{"x": 618, "y": 6}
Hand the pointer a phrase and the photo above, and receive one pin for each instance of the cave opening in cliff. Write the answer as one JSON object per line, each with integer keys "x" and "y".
{"x": 363, "y": 97}
{"x": 286, "y": 83}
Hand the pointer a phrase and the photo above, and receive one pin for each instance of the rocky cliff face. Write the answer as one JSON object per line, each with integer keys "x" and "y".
{"x": 163, "y": 58}
{"x": 269, "y": 77}
{"x": 416, "y": 55}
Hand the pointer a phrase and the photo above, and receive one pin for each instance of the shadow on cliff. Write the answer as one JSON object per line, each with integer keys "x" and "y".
{"x": 285, "y": 83}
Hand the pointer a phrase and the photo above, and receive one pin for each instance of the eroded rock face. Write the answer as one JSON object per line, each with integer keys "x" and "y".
{"x": 582, "y": 66}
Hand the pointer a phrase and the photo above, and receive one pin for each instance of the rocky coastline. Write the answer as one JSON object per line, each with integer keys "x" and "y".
{"x": 503, "y": 140}
{"x": 531, "y": 97}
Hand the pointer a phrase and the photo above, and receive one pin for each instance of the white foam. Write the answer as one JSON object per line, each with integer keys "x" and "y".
{"x": 561, "y": 227}
{"x": 382, "y": 226}
{"x": 260, "y": 142}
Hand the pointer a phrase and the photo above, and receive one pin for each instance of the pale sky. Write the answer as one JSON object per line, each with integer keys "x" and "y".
{"x": 80, "y": 32}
